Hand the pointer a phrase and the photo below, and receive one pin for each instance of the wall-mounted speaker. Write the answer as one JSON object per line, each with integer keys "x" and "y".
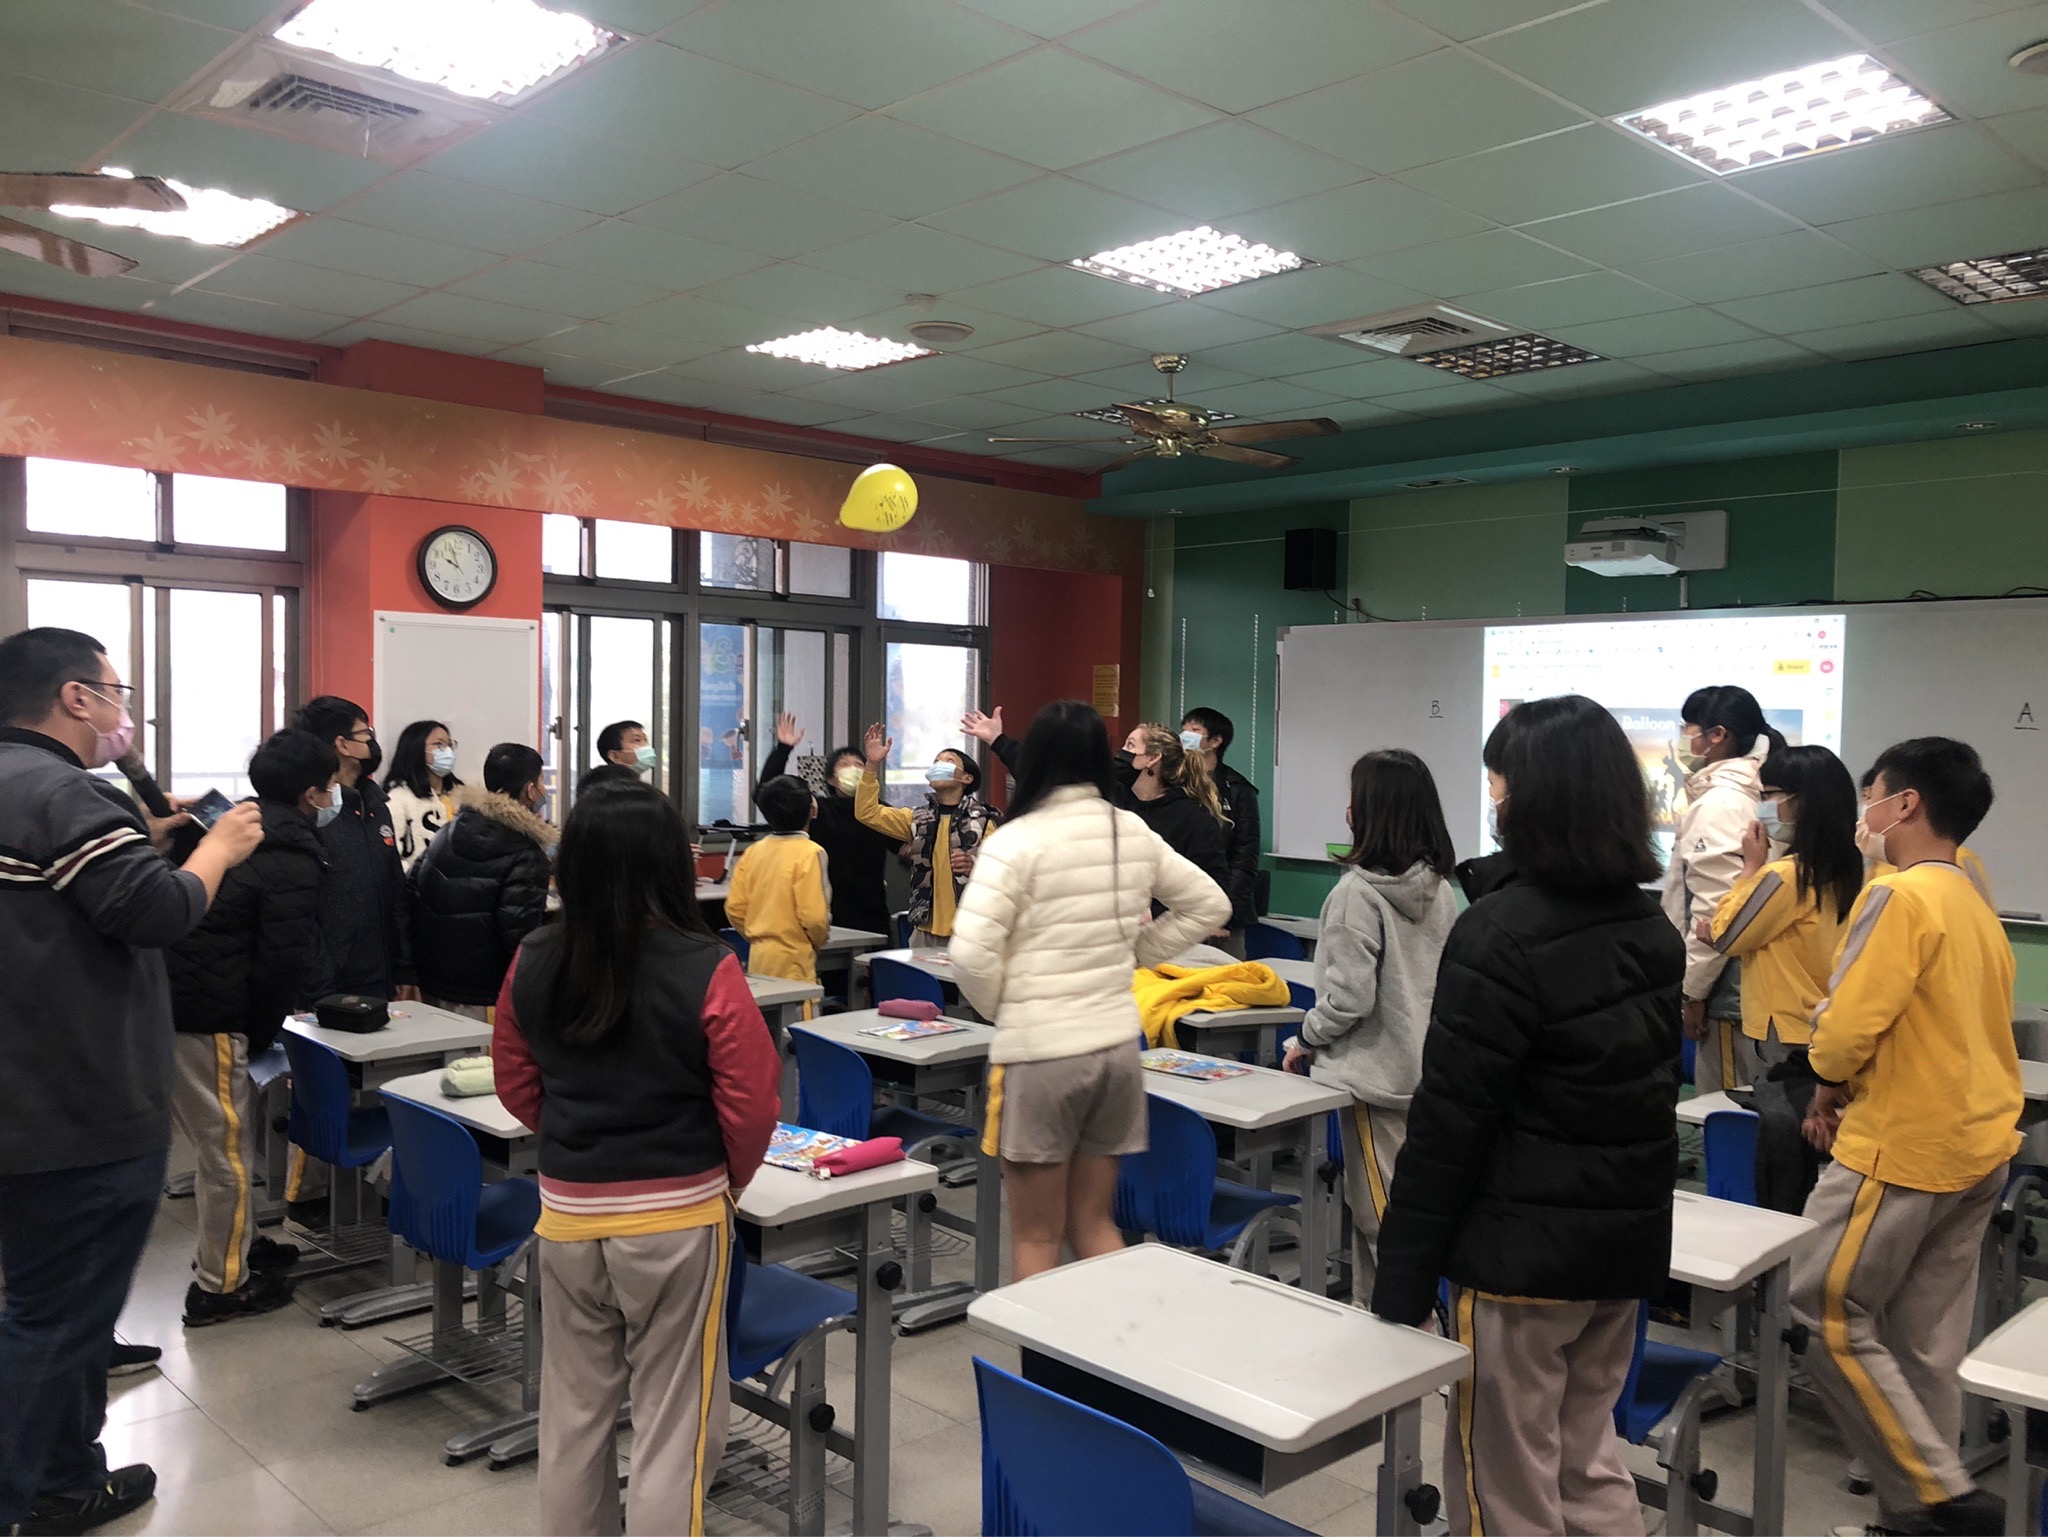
{"x": 1311, "y": 563}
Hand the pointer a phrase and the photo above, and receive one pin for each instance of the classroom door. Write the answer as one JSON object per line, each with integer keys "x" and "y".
{"x": 748, "y": 674}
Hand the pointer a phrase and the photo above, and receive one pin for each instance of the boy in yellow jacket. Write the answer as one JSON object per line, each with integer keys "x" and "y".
{"x": 781, "y": 898}
{"x": 1920, "y": 1100}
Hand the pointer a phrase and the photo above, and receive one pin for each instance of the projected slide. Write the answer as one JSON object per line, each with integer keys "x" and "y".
{"x": 1642, "y": 670}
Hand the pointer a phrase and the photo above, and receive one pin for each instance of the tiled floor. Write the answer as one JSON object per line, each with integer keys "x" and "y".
{"x": 250, "y": 1430}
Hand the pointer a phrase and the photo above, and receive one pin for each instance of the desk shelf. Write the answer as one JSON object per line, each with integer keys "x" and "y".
{"x": 486, "y": 1351}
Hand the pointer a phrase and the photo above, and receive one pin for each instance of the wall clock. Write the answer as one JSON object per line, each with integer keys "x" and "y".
{"x": 458, "y": 566}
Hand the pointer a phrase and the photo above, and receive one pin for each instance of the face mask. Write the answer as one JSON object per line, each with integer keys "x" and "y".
{"x": 1776, "y": 824}
{"x": 109, "y": 745}
{"x": 1869, "y": 841}
{"x": 849, "y": 778}
{"x": 374, "y": 760}
{"x": 1191, "y": 741}
{"x": 540, "y": 808}
{"x": 940, "y": 774}
{"x": 1692, "y": 762}
{"x": 322, "y": 815}
{"x": 644, "y": 759}
{"x": 1493, "y": 819}
{"x": 442, "y": 761}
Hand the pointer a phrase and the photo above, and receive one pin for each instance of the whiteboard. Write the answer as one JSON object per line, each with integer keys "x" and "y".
{"x": 1977, "y": 671}
{"x": 480, "y": 676}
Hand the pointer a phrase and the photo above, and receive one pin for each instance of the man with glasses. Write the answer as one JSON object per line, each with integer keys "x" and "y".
{"x": 86, "y": 905}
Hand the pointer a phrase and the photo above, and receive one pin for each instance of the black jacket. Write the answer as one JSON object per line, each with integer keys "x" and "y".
{"x": 480, "y": 888}
{"x": 1241, "y": 843}
{"x": 856, "y": 856}
{"x": 1542, "y": 1143}
{"x": 245, "y": 967}
{"x": 1188, "y": 830}
{"x": 365, "y": 908}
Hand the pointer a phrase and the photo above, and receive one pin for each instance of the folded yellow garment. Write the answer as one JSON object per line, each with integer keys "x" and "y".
{"x": 1166, "y": 993}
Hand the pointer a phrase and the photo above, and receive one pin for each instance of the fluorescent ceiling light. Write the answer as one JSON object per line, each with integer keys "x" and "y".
{"x": 496, "y": 50}
{"x": 210, "y": 216}
{"x": 1984, "y": 279}
{"x": 1513, "y": 355}
{"x": 1830, "y": 105}
{"x": 830, "y": 347}
{"x": 1195, "y": 261}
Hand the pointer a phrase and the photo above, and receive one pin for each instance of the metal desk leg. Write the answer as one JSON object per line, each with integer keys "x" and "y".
{"x": 401, "y": 1377}
{"x": 874, "y": 1339}
{"x": 1400, "y": 1470}
{"x": 925, "y": 1305}
{"x": 1774, "y": 1370}
{"x": 807, "y": 1446}
{"x": 1315, "y": 1256}
{"x": 988, "y": 1222}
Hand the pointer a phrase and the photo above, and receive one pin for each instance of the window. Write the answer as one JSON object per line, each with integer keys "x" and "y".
{"x": 733, "y": 560}
{"x": 929, "y": 689}
{"x": 635, "y": 552}
{"x": 90, "y": 501}
{"x": 930, "y": 589}
{"x": 821, "y": 570}
{"x": 561, "y": 544}
{"x": 234, "y": 514}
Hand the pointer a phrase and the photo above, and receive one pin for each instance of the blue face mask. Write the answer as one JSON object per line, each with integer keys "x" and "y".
{"x": 644, "y": 758}
{"x": 322, "y": 815}
{"x": 940, "y": 773}
{"x": 442, "y": 761}
{"x": 1776, "y": 823}
{"x": 1191, "y": 741}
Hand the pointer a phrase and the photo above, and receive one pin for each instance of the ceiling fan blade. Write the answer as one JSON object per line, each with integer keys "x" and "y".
{"x": 34, "y": 189}
{"x": 1240, "y": 455}
{"x": 1056, "y": 440}
{"x": 1144, "y": 419}
{"x": 1126, "y": 461}
{"x": 61, "y": 251}
{"x": 1266, "y": 432}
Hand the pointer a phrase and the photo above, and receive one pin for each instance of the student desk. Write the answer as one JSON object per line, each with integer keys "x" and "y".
{"x": 1239, "y": 1375}
{"x": 2010, "y": 1366}
{"x": 1724, "y": 1247}
{"x": 783, "y": 1000}
{"x": 714, "y": 891}
{"x": 1694, "y": 1111}
{"x": 942, "y": 1067}
{"x": 1308, "y": 930}
{"x": 835, "y": 955}
{"x": 1257, "y": 1114}
{"x": 1294, "y": 973}
{"x": 1231, "y": 1031}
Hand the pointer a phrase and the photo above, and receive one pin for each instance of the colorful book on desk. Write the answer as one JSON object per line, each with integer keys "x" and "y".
{"x": 822, "y": 1155}
{"x": 916, "y": 1029}
{"x": 1181, "y": 1064}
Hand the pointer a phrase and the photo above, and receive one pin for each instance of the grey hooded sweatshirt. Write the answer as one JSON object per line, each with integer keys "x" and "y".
{"x": 1376, "y": 965}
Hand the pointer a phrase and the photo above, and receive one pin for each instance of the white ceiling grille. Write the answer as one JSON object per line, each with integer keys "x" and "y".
{"x": 1423, "y": 328}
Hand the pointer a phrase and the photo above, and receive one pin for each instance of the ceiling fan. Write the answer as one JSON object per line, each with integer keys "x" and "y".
{"x": 1175, "y": 430}
{"x": 76, "y": 189}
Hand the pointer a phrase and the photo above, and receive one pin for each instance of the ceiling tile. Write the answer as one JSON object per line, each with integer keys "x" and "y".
{"x": 876, "y": 389}
{"x": 1962, "y": 67}
{"x": 1913, "y": 333}
{"x": 1587, "y": 167}
{"x": 1050, "y": 18}
{"x": 343, "y": 246}
{"x": 275, "y": 281}
{"x": 749, "y": 370}
{"x": 2019, "y": 318}
{"x": 1797, "y": 259}
{"x": 1187, "y": 325}
{"x": 1697, "y": 218}
{"x": 1314, "y": 297}
{"x": 1451, "y": 399}
{"x": 1498, "y": 258}
{"x": 1287, "y": 356}
{"x": 229, "y": 313}
{"x": 640, "y": 17}
{"x": 573, "y": 169}
{"x": 802, "y": 297}
{"x": 1268, "y": 398}
{"x": 710, "y": 320}
{"x": 1360, "y": 220}
{"x": 1065, "y": 353}
{"x": 38, "y": 280}
{"x": 57, "y": 128}
{"x": 1053, "y": 110}
{"x": 1888, "y": 296}
{"x": 1240, "y": 54}
{"x": 1141, "y": 381}
{"x": 412, "y": 336}
{"x": 630, "y": 346}
{"x": 1467, "y": 19}
{"x": 873, "y": 53}
{"x": 584, "y": 374}
{"x": 978, "y": 413}
{"x": 917, "y": 259}
{"x": 1606, "y": 377}
{"x": 960, "y": 374}
{"x": 1912, "y": 170}
{"x": 1359, "y": 374}
{"x": 241, "y": 160}
{"x": 1766, "y": 353}
{"x": 477, "y": 319}
{"x": 990, "y": 329}
{"x": 416, "y": 203}
{"x": 234, "y": 15}
{"x": 98, "y": 46}
{"x": 2026, "y": 132}
{"x": 1978, "y": 226}
{"x": 1572, "y": 301}
{"x": 658, "y": 258}
{"x": 1887, "y": 21}
{"x": 753, "y": 215}
{"x": 1061, "y": 296}
{"x": 1068, "y": 458}
{"x": 1057, "y": 396}
{"x": 1438, "y": 107}
{"x": 1352, "y": 415}
{"x": 1215, "y": 173}
{"x": 1627, "y": 54}
{"x": 891, "y": 167}
{"x": 678, "y": 103}
{"x": 1404, "y": 380}
{"x": 1639, "y": 336}
{"x": 1066, "y": 427}
{"x": 536, "y": 286}
{"x": 890, "y": 429}
{"x": 160, "y": 258}
{"x": 1057, "y": 219}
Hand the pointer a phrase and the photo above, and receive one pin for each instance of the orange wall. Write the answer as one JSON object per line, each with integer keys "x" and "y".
{"x": 1048, "y": 631}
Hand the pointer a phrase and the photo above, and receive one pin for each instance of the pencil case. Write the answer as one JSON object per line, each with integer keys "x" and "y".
{"x": 352, "y": 1012}
{"x": 907, "y": 1008}
{"x": 871, "y": 1154}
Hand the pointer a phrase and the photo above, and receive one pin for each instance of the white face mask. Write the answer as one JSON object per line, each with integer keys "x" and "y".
{"x": 1776, "y": 823}
{"x": 849, "y": 778}
{"x": 644, "y": 759}
{"x": 442, "y": 761}
{"x": 1191, "y": 741}
{"x": 1493, "y": 819}
{"x": 1869, "y": 841}
{"x": 322, "y": 815}
{"x": 1682, "y": 749}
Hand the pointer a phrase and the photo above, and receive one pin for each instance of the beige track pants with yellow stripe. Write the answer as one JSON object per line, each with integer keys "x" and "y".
{"x": 214, "y": 1105}
{"x": 1373, "y": 1138}
{"x": 1888, "y": 1288}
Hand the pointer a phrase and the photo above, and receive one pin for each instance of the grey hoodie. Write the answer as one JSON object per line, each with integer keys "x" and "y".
{"x": 1376, "y": 965}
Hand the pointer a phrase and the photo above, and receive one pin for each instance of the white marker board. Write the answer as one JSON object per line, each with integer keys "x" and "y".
{"x": 480, "y": 676}
{"x": 1973, "y": 670}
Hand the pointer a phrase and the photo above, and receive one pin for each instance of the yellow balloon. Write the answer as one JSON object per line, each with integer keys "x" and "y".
{"x": 881, "y": 500}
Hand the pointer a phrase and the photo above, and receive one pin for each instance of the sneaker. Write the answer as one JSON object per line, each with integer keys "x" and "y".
{"x": 1980, "y": 1513}
{"x": 269, "y": 1254}
{"x": 129, "y": 1359}
{"x": 64, "y": 1515}
{"x": 264, "y": 1292}
{"x": 311, "y": 1214}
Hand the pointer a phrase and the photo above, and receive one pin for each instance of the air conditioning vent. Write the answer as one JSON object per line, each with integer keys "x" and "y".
{"x": 318, "y": 100}
{"x": 1405, "y": 333}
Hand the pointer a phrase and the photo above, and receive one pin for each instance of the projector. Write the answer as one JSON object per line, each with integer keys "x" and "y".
{"x": 1632, "y": 552}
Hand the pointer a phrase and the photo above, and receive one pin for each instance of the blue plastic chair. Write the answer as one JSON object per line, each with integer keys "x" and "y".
{"x": 1171, "y": 1192}
{"x": 1660, "y": 1406}
{"x": 895, "y": 979}
{"x": 1263, "y": 942}
{"x": 771, "y": 1314}
{"x": 1731, "y": 1155}
{"x": 440, "y": 1204}
{"x": 324, "y": 1120}
{"x": 1053, "y": 1468}
{"x": 836, "y": 1093}
{"x": 736, "y": 942}
{"x": 903, "y": 931}
{"x": 1688, "y": 1053}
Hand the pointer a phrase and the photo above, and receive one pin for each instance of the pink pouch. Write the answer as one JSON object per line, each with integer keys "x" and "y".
{"x": 871, "y": 1154}
{"x": 907, "y": 1008}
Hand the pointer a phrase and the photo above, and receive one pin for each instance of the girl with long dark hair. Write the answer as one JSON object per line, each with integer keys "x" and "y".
{"x": 627, "y": 1038}
{"x": 419, "y": 785}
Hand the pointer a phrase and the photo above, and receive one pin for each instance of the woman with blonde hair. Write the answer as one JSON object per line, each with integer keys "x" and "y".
{"x": 1171, "y": 790}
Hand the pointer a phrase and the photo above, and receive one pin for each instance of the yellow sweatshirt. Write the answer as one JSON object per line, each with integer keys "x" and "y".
{"x": 781, "y": 901}
{"x": 1972, "y": 866}
{"x": 900, "y": 823}
{"x": 1166, "y": 993}
{"x": 1787, "y": 946}
{"x": 1919, "y": 1023}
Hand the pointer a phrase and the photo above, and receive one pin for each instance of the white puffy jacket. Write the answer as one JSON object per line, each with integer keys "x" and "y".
{"x": 1053, "y": 924}
{"x": 1706, "y": 854}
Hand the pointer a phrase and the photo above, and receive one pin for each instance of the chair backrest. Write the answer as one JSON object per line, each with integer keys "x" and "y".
{"x": 1333, "y": 1139}
{"x": 1263, "y": 942}
{"x": 736, "y": 942}
{"x": 436, "y": 1176}
{"x": 1731, "y": 1155}
{"x": 835, "y": 1091}
{"x": 1628, "y": 1413}
{"x": 1167, "y": 1190}
{"x": 902, "y": 925}
{"x": 1301, "y": 995}
{"x": 1688, "y": 1053}
{"x": 1053, "y": 1468}
{"x": 320, "y": 1099}
{"x": 895, "y": 979}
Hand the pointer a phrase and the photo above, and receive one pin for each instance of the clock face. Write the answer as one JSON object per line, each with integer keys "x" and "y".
{"x": 458, "y": 566}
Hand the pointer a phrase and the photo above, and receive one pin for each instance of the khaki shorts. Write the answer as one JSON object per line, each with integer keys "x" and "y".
{"x": 1047, "y": 1112}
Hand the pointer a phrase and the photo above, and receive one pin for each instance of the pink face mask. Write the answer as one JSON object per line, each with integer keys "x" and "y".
{"x": 109, "y": 746}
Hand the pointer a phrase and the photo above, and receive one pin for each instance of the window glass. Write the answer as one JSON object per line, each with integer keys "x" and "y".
{"x": 623, "y": 681}
{"x": 929, "y": 589}
{"x": 561, "y": 544}
{"x": 636, "y": 552}
{"x": 236, "y": 514}
{"x": 722, "y": 689}
{"x": 734, "y": 560}
{"x": 821, "y": 570}
{"x": 930, "y": 688}
{"x": 93, "y": 501}
{"x": 98, "y": 609}
{"x": 217, "y": 689}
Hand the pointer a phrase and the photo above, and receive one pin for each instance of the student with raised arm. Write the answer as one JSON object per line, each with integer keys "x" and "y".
{"x": 944, "y": 834}
{"x": 1049, "y": 931}
{"x": 856, "y": 856}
